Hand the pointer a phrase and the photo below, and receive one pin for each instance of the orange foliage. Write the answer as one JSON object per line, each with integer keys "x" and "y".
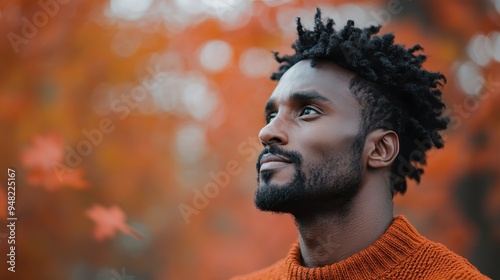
{"x": 89, "y": 64}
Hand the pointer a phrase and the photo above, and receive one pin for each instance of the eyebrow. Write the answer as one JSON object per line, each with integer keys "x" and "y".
{"x": 302, "y": 96}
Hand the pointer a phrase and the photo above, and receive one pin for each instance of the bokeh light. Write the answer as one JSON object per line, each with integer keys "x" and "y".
{"x": 129, "y": 9}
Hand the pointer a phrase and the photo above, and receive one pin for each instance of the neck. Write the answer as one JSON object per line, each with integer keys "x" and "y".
{"x": 334, "y": 234}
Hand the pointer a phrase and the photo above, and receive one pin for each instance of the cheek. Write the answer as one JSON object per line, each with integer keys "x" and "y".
{"x": 318, "y": 152}
{"x": 324, "y": 142}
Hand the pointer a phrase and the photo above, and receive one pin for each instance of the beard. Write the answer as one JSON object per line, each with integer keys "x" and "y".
{"x": 330, "y": 183}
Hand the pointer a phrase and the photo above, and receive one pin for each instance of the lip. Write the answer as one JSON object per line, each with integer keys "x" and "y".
{"x": 270, "y": 161}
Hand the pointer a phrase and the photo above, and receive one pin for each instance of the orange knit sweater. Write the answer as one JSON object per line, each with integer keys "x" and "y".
{"x": 400, "y": 253}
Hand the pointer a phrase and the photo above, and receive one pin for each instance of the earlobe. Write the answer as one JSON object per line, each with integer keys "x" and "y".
{"x": 383, "y": 148}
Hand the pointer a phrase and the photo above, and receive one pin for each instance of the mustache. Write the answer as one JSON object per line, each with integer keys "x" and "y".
{"x": 293, "y": 156}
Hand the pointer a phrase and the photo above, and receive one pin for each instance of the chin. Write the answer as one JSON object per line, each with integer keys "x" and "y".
{"x": 278, "y": 198}
{"x": 275, "y": 178}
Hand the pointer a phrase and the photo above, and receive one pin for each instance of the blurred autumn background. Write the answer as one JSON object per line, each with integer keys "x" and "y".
{"x": 132, "y": 128}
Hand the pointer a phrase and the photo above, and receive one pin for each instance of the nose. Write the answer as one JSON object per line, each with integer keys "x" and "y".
{"x": 274, "y": 133}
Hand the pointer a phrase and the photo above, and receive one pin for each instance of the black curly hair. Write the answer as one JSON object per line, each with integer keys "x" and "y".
{"x": 393, "y": 89}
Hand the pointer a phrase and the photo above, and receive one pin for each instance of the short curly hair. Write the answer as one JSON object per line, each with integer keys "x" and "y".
{"x": 393, "y": 89}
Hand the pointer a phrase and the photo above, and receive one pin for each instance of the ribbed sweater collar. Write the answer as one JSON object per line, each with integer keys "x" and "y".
{"x": 399, "y": 241}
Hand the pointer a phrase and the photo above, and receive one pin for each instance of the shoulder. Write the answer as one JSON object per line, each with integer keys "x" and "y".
{"x": 458, "y": 266}
{"x": 273, "y": 272}
{"x": 435, "y": 261}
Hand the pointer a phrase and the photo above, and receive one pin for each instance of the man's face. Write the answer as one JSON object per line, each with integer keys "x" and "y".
{"x": 313, "y": 149}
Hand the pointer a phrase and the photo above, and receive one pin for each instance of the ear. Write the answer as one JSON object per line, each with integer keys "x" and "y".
{"x": 382, "y": 147}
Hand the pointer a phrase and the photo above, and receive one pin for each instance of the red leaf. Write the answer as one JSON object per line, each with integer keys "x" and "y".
{"x": 108, "y": 221}
{"x": 43, "y": 162}
{"x": 44, "y": 151}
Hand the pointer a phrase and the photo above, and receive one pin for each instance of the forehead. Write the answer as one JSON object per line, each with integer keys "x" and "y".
{"x": 329, "y": 80}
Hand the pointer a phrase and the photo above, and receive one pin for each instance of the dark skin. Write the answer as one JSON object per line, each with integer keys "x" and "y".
{"x": 313, "y": 113}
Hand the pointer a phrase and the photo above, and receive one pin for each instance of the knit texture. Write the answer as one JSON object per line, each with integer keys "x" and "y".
{"x": 400, "y": 253}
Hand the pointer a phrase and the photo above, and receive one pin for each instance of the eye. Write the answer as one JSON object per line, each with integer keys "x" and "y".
{"x": 309, "y": 111}
{"x": 270, "y": 117}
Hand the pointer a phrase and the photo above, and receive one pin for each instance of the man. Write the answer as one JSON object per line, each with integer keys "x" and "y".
{"x": 349, "y": 121}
